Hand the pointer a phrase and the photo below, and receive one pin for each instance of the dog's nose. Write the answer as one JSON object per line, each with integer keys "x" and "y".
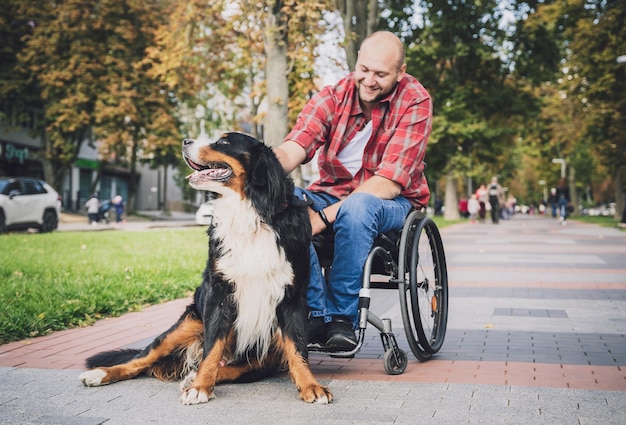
{"x": 187, "y": 142}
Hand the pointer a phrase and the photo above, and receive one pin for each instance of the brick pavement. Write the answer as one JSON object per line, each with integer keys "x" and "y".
{"x": 541, "y": 316}
{"x": 532, "y": 305}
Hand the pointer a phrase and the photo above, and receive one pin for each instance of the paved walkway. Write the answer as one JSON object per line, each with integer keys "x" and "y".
{"x": 536, "y": 335}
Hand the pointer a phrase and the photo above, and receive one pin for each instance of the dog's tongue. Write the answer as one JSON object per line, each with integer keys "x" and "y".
{"x": 209, "y": 174}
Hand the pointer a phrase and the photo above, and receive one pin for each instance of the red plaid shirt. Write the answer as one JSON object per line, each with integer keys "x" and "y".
{"x": 401, "y": 124}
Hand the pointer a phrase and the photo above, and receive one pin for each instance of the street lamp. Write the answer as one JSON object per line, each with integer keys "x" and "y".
{"x": 621, "y": 59}
{"x": 562, "y": 162}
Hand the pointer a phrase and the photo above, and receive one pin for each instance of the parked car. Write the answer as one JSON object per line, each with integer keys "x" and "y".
{"x": 28, "y": 202}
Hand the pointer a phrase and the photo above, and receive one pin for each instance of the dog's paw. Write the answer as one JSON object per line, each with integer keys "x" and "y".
{"x": 196, "y": 396}
{"x": 316, "y": 394}
{"x": 93, "y": 378}
{"x": 188, "y": 380}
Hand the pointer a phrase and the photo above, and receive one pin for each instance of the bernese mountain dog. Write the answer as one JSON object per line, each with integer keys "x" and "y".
{"x": 248, "y": 317}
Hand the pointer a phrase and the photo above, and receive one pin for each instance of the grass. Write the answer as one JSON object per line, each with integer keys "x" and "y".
{"x": 600, "y": 220}
{"x": 441, "y": 222}
{"x": 60, "y": 280}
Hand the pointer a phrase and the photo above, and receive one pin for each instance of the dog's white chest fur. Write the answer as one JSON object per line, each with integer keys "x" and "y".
{"x": 254, "y": 262}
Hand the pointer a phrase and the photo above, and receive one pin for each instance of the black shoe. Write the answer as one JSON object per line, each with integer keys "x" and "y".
{"x": 317, "y": 332}
{"x": 341, "y": 336}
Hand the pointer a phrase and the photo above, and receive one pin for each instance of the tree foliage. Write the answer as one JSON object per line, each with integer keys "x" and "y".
{"x": 578, "y": 85}
{"x": 83, "y": 65}
{"x": 514, "y": 83}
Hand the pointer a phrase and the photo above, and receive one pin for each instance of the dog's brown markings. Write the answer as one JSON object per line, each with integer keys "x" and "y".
{"x": 206, "y": 378}
{"x": 182, "y": 336}
{"x": 237, "y": 181}
{"x": 310, "y": 390}
{"x": 229, "y": 372}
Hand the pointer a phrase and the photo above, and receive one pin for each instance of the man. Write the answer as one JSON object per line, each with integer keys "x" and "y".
{"x": 496, "y": 199}
{"x": 371, "y": 130}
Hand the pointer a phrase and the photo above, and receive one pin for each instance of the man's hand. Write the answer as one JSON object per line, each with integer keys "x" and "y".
{"x": 317, "y": 224}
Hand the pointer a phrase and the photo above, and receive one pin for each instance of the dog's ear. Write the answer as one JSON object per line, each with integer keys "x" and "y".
{"x": 269, "y": 189}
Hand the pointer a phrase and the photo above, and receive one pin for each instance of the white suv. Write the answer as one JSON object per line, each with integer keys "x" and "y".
{"x": 28, "y": 202}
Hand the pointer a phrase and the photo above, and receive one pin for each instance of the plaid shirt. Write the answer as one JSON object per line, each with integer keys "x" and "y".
{"x": 401, "y": 124}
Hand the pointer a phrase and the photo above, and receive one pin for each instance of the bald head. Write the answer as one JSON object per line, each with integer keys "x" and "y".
{"x": 385, "y": 44}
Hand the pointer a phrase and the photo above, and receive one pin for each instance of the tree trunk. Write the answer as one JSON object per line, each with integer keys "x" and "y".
{"x": 133, "y": 178}
{"x": 451, "y": 201}
{"x": 166, "y": 208}
{"x": 360, "y": 19}
{"x": 276, "y": 69}
{"x": 620, "y": 199}
{"x": 620, "y": 196}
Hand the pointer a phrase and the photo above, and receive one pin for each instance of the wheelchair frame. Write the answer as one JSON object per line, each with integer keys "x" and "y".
{"x": 414, "y": 261}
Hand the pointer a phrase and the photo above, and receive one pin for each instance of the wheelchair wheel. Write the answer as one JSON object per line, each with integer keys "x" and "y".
{"x": 395, "y": 365}
{"x": 423, "y": 285}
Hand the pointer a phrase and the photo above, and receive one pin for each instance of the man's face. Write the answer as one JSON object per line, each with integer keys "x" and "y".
{"x": 376, "y": 74}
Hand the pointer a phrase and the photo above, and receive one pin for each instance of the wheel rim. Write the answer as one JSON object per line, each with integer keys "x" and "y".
{"x": 406, "y": 306}
{"x": 428, "y": 286}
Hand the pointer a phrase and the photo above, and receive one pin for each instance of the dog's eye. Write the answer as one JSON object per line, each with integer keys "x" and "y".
{"x": 222, "y": 141}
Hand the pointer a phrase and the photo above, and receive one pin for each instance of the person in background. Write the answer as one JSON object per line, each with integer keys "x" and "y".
{"x": 483, "y": 198}
{"x": 563, "y": 196}
{"x": 553, "y": 202}
{"x": 463, "y": 207}
{"x": 92, "y": 205}
{"x": 118, "y": 204}
{"x": 622, "y": 223}
{"x": 438, "y": 206}
{"x": 473, "y": 208}
{"x": 511, "y": 202}
{"x": 496, "y": 199}
{"x": 370, "y": 131}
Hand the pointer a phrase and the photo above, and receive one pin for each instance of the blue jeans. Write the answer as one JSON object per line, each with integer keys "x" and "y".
{"x": 359, "y": 220}
{"x": 563, "y": 208}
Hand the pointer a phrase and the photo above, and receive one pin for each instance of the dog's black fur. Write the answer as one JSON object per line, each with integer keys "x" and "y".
{"x": 258, "y": 257}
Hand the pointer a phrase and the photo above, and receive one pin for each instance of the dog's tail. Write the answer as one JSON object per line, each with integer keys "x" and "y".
{"x": 111, "y": 358}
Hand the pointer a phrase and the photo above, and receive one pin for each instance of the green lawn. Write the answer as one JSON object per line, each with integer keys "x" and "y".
{"x": 600, "y": 220}
{"x": 60, "y": 280}
{"x": 64, "y": 279}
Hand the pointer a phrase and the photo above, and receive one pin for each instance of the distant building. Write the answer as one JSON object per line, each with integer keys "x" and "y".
{"x": 21, "y": 155}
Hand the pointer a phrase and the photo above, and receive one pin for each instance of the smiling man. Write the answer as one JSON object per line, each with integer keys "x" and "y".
{"x": 371, "y": 131}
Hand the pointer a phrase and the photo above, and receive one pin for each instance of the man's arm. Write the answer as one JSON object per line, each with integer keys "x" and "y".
{"x": 380, "y": 187}
{"x": 290, "y": 155}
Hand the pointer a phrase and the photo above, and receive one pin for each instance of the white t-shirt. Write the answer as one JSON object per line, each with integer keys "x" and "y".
{"x": 352, "y": 155}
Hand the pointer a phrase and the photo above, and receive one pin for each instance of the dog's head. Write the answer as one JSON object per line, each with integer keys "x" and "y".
{"x": 239, "y": 165}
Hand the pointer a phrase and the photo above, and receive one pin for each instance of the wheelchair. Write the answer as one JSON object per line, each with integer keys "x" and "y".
{"x": 411, "y": 260}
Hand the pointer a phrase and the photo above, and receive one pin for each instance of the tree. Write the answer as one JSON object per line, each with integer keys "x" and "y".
{"x": 456, "y": 54}
{"x": 60, "y": 60}
{"x": 360, "y": 18}
{"x": 568, "y": 50}
{"x": 597, "y": 83}
{"x": 80, "y": 63}
{"x": 17, "y": 95}
{"x": 134, "y": 119}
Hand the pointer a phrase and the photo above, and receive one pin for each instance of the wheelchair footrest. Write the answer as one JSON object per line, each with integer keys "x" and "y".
{"x": 329, "y": 351}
